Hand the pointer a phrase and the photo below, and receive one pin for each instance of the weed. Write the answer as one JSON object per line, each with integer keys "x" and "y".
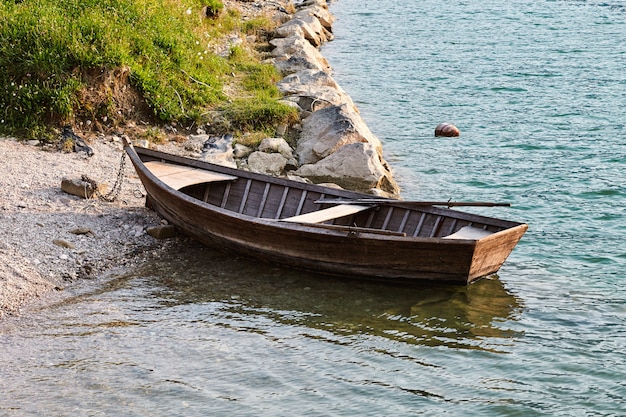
{"x": 251, "y": 140}
{"x": 258, "y": 114}
{"x": 154, "y": 135}
{"x": 257, "y": 25}
{"x": 64, "y": 60}
{"x": 213, "y": 8}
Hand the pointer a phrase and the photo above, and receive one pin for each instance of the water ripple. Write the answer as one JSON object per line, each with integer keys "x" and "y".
{"x": 537, "y": 89}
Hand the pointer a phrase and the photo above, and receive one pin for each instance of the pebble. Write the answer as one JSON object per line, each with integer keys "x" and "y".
{"x": 63, "y": 243}
{"x": 82, "y": 231}
{"x": 162, "y": 232}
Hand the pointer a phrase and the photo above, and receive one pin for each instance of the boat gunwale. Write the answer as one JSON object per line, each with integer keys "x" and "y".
{"x": 323, "y": 229}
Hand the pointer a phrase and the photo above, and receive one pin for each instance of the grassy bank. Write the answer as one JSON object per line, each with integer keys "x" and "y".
{"x": 103, "y": 63}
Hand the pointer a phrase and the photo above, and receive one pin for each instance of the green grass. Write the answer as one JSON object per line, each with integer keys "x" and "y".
{"x": 48, "y": 48}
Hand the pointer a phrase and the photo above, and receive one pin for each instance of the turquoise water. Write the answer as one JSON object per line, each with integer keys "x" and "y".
{"x": 538, "y": 90}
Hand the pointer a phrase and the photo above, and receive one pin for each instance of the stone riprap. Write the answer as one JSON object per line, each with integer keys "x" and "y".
{"x": 335, "y": 144}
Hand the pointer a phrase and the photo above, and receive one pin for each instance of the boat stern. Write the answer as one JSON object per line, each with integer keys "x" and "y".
{"x": 490, "y": 252}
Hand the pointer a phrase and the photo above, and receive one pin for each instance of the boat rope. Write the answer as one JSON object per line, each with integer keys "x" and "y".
{"x": 117, "y": 187}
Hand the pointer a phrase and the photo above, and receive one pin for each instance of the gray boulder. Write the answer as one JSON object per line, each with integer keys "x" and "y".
{"x": 266, "y": 163}
{"x": 276, "y": 145}
{"x": 295, "y": 53}
{"x": 310, "y": 3}
{"x": 241, "y": 151}
{"x": 313, "y": 90}
{"x": 307, "y": 26}
{"x": 327, "y": 130}
{"x": 214, "y": 149}
{"x": 322, "y": 14}
{"x": 354, "y": 166}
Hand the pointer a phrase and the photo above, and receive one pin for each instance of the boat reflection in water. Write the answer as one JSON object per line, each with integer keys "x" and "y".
{"x": 433, "y": 315}
{"x": 226, "y": 336}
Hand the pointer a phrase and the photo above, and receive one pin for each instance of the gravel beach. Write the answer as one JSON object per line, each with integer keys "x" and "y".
{"x": 50, "y": 238}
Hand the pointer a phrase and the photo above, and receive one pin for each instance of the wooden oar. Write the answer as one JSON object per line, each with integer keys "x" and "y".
{"x": 383, "y": 201}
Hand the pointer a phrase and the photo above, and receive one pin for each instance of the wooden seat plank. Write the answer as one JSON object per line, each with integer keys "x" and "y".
{"x": 327, "y": 214}
{"x": 178, "y": 176}
{"x": 469, "y": 233}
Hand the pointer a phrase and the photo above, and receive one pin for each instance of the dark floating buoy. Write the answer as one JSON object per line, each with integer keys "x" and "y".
{"x": 447, "y": 130}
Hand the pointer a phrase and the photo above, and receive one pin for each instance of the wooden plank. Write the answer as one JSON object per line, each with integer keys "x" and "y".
{"x": 301, "y": 204}
{"x": 387, "y": 218}
{"x": 352, "y": 230}
{"x": 418, "y": 228}
{"x": 263, "y": 199}
{"x": 452, "y": 226}
{"x": 433, "y": 232}
{"x": 405, "y": 218}
{"x": 327, "y": 214}
{"x": 470, "y": 233}
{"x": 370, "y": 219}
{"x": 205, "y": 198}
{"x": 282, "y": 203}
{"x": 178, "y": 176}
{"x": 225, "y": 196}
{"x": 244, "y": 199}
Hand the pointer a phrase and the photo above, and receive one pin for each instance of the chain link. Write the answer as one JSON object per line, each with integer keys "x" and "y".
{"x": 117, "y": 187}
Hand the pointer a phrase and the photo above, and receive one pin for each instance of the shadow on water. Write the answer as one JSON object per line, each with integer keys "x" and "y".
{"x": 432, "y": 315}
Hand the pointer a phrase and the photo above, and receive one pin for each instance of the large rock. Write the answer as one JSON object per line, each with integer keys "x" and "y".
{"x": 313, "y": 90}
{"x": 295, "y": 53}
{"x": 327, "y": 130}
{"x": 335, "y": 144}
{"x": 81, "y": 188}
{"x": 354, "y": 166}
{"x": 241, "y": 151}
{"x": 215, "y": 149}
{"x": 310, "y": 3}
{"x": 301, "y": 80}
{"x": 307, "y": 26}
{"x": 276, "y": 145}
{"x": 266, "y": 163}
{"x": 226, "y": 158}
{"x": 322, "y": 14}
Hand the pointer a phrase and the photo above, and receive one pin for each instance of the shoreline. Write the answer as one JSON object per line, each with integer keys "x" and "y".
{"x": 51, "y": 239}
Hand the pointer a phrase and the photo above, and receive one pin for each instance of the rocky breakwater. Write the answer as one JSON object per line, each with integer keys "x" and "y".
{"x": 331, "y": 142}
{"x": 335, "y": 145}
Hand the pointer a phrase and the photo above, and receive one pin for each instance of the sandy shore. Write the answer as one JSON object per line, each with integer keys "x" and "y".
{"x": 50, "y": 238}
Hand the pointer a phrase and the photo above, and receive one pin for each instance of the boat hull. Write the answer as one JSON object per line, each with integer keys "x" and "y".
{"x": 343, "y": 251}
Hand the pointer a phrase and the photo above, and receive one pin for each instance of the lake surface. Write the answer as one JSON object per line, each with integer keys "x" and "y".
{"x": 538, "y": 90}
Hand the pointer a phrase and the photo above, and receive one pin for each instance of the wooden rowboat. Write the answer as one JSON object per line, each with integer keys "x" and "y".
{"x": 322, "y": 229}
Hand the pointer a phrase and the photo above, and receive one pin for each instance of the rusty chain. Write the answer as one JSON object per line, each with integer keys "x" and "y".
{"x": 117, "y": 187}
